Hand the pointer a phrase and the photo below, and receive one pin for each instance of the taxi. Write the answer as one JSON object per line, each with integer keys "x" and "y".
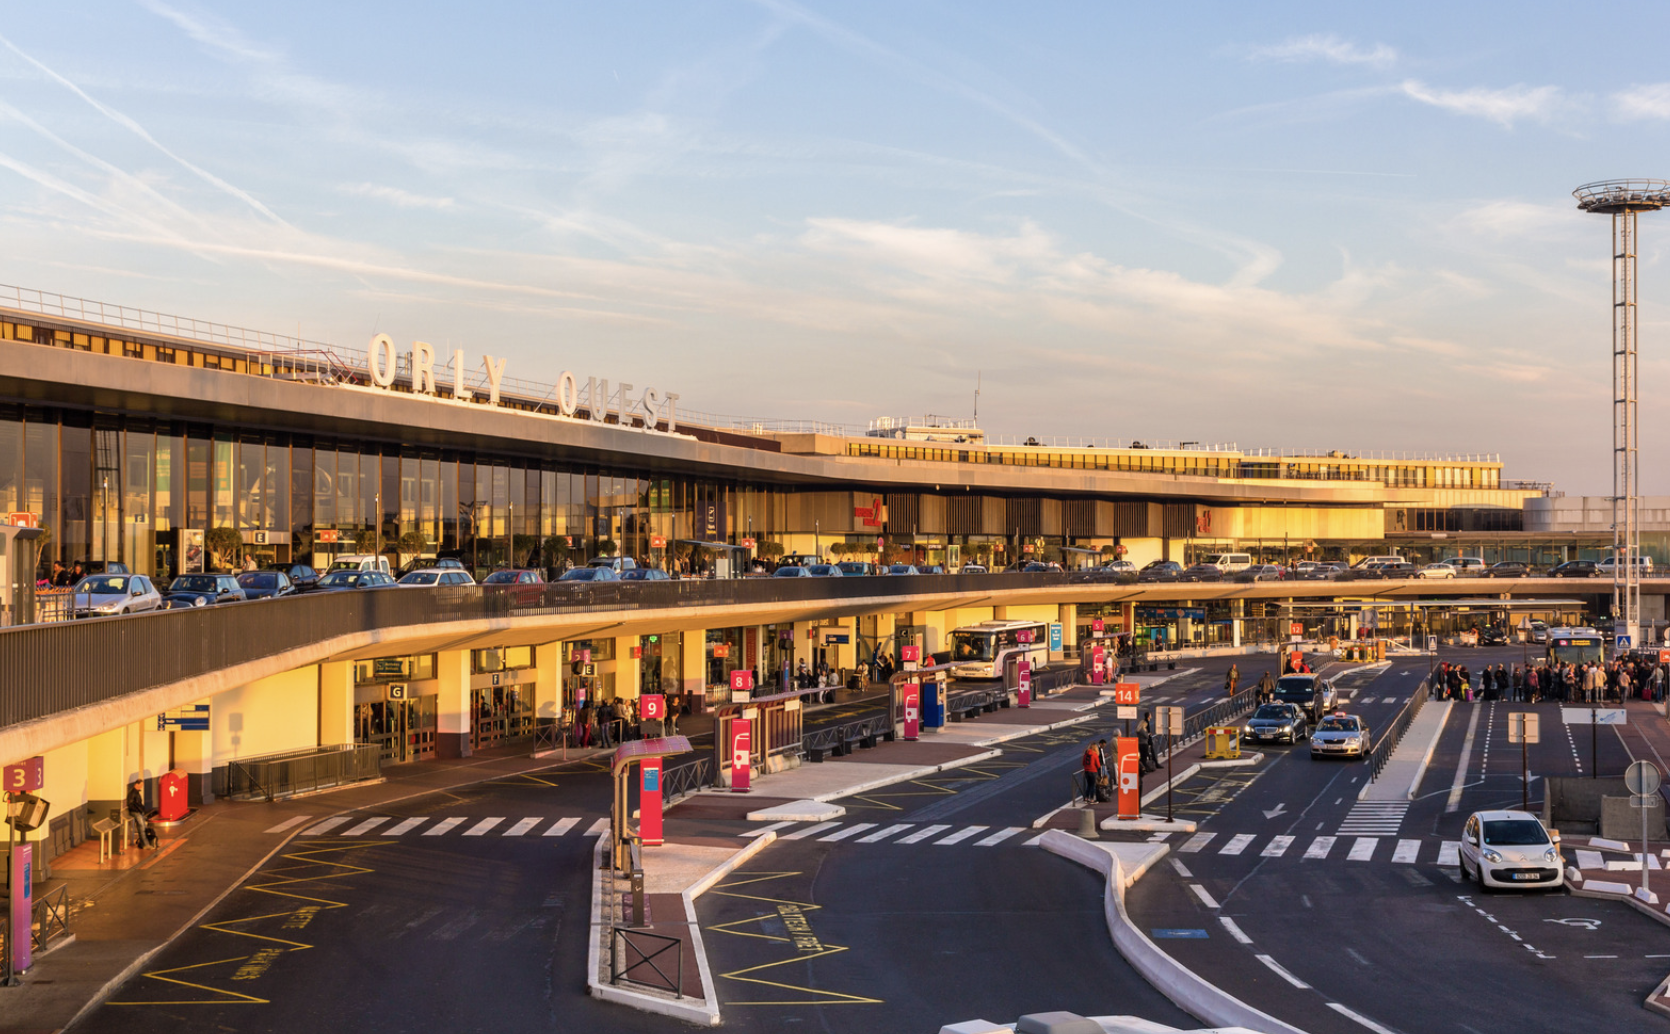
{"x": 1340, "y": 735}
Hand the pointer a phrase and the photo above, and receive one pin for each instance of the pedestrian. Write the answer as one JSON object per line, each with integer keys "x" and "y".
{"x": 60, "y": 577}
{"x": 1232, "y": 680}
{"x": 1266, "y": 688}
{"x": 1147, "y": 761}
{"x": 135, "y": 807}
{"x": 1092, "y": 766}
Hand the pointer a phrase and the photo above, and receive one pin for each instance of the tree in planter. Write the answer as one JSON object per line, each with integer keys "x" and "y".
{"x": 413, "y": 542}
{"x": 1110, "y": 551}
{"x": 606, "y": 547}
{"x": 365, "y": 540}
{"x": 769, "y": 550}
{"x": 224, "y": 545}
{"x": 840, "y": 550}
{"x": 557, "y": 550}
{"x": 522, "y": 547}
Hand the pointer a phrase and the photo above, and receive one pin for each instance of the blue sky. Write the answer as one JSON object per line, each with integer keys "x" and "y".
{"x": 1304, "y": 226}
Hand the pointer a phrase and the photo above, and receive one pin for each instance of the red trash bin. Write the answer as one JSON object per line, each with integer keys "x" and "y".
{"x": 171, "y": 796}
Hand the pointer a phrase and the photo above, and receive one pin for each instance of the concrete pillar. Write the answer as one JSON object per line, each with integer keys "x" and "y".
{"x": 804, "y": 643}
{"x": 106, "y": 769}
{"x": 547, "y": 686}
{"x": 692, "y": 663}
{"x": 886, "y": 625}
{"x": 1237, "y": 614}
{"x": 1069, "y": 627}
{"x": 336, "y": 703}
{"x": 934, "y": 631}
{"x": 453, "y": 713}
{"x": 628, "y": 668}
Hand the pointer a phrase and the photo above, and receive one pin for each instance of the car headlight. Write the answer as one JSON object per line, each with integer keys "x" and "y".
{"x": 198, "y": 601}
{"x": 1286, "y": 728}
{"x": 1491, "y": 856}
{"x": 1550, "y": 855}
{"x": 109, "y": 608}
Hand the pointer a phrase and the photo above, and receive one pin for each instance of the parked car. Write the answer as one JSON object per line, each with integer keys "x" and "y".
{"x": 1508, "y": 569}
{"x": 302, "y": 577}
{"x": 1278, "y": 722}
{"x": 1393, "y": 569}
{"x": 1315, "y": 571}
{"x": 1466, "y": 565}
{"x": 970, "y": 569}
{"x": 1340, "y": 735}
{"x": 902, "y": 569}
{"x": 1439, "y": 570}
{"x": 99, "y": 595}
{"x": 1539, "y": 632}
{"x": 856, "y": 568}
{"x": 202, "y": 590}
{"x": 1160, "y": 571}
{"x": 341, "y": 581}
{"x": 1643, "y": 565}
{"x": 824, "y": 570}
{"x": 1493, "y": 636}
{"x": 1036, "y": 567}
{"x": 1260, "y": 573}
{"x": 362, "y": 562}
{"x": 1575, "y": 569}
{"x": 791, "y": 571}
{"x": 265, "y": 585}
{"x": 589, "y": 574}
{"x": 104, "y": 567}
{"x": 1119, "y": 567}
{"x": 446, "y": 563}
{"x": 435, "y": 576}
{"x": 617, "y": 564}
{"x": 644, "y": 574}
{"x": 515, "y": 576}
{"x": 1509, "y": 849}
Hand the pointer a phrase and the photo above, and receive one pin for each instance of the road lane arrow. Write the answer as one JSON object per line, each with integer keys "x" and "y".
{"x": 1271, "y": 813}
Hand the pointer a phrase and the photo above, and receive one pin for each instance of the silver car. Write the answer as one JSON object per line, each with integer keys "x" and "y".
{"x": 1340, "y": 736}
{"x": 98, "y": 595}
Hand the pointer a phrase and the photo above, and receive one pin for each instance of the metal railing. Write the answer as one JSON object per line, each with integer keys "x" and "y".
{"x": 835, "y": 739}
{"x": 284, "y": 775}
{"x": 1062, "y": 441}
{"x": 50, "y": 920}
{"x": 680, "y": 781}
{"x": 1387, "y": 742}
{"x": 624, "y": 941}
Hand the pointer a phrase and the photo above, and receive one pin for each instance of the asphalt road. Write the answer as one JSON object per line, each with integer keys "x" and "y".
{"x": 1320, "y": 928}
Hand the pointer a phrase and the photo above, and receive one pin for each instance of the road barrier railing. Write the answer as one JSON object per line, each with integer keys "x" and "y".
{"x": 1386, "y": 742}
{"x": 285, "y": 775}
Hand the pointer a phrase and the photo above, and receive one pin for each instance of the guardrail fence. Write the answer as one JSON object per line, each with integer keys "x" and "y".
{"x": 1387, "y": 741}
{"x": 284, "y": 775}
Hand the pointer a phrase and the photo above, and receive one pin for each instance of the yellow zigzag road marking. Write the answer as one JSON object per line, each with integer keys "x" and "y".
{"x": 823, "y": 997}
{"x": 232, "y": 997}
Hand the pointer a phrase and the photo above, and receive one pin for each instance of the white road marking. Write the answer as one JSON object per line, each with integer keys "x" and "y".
{"x": 802, "y": 834}
{"x": 1460, "y": 783}
{"x": 1362, "y": 850}
{"x": 598, "y": 828}
{"x": 1407, "y": 851}
{"x": 1278, "y": 970}
{"x": 287, "y": 823}
{"x": 1234, "y": 931}
{"x": 922, "y": 834}
{"x": 325, "y": 826}
{"x": 521, "y": 828}
{"x": 882, "y": 834}
{"x": 1276, "y": 847}
{"x": 564, "y": 825}
{"x": 1035, "y": 841}
{"x": 443, "y": 826}
{"x": 1360, "y": 1018}
{"x": 404, "y": 826}
{"x": 1182, "y": 870}
{"x": 1237, "y": 844}
{"x": 1196, "y": 842}
{"x": 1205, "y": 898}
{"x": 999, "y": 837}
{"x": 480, "y": 828}
{"x": 364, "y": 827}
{"x": 762, "y": 831}
{"x": 1449, "y": 852}
{"x": 960, "y": 835}
{"x": 852, "y": 830}
{"x": 1320, "y": 847}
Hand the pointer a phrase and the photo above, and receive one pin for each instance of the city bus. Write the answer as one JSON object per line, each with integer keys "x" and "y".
{"x": 1575, "y": 646}
{"x": 975, "y": 648}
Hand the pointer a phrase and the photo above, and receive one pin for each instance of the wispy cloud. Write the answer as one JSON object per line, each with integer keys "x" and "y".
{"x": 1504, "y": 106}
{"x": 1326, "y": 47}
{"x": 1651, "y": 100}
{"x": 397, "y": 197}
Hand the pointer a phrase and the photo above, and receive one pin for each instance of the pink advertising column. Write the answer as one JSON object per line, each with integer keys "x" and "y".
{"x": 742, "y": 754}
{"x": 649, "y": 803}
{"x": 1023, "y": 682}
{"x": 910, "y": 697}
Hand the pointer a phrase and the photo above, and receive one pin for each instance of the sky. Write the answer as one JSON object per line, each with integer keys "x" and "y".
{"x": 1293, "y": 226}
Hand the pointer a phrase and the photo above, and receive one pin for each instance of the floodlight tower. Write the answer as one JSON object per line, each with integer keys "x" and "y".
{"x": 1623, "y": 200}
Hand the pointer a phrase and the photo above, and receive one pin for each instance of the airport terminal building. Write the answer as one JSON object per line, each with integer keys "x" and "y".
{"x": 125, "y": 432}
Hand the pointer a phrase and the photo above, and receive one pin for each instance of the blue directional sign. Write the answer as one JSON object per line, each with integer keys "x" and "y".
{"x": 1055, "y": 636}
{"x": 190, "y": 718}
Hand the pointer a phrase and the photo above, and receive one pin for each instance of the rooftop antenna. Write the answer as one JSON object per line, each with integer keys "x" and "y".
{"x": 977, "y": 398}
{"x": 1623, "y": 200}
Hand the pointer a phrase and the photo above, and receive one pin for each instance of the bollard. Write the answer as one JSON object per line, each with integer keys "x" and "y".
{"x": 1087, "y": 824}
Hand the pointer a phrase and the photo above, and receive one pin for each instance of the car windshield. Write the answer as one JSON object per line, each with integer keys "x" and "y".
{"x": 420, "y": 578}
{"x": 500, "y": 578}
{"x": 578, "y": 574}
{"x": 1273, "y": 712}
{"x": 341, "y": 578}
{"x": 104, "y": 584}
{"x": 851, "y": 567}
{"x": 822, "y": 570}
{"x": 789, "y": 572}
{"x": 258, "y": 580}
{"x": 1514, "y": 833}
{"x": 346, "y": 565}
{"x": 1337, "y": 725}
{"x": 193, "y": 583}
{"x": 971, "y": 646}
{"x": 1302, "y": 685}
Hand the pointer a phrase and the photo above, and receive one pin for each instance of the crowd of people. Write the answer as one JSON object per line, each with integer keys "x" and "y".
{"x": 1624, "y": 678}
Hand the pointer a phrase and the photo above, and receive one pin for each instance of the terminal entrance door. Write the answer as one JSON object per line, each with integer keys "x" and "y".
{"x": 404, "y": 730}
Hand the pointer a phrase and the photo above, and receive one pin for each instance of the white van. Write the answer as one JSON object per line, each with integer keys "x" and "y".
{"x": 361, "y": 562}
{"x": 1465, "y": 564}
{"x": 1229, "y": 563}
{"x": 1643, "y": 565}
{"x": 1372, "y": 561}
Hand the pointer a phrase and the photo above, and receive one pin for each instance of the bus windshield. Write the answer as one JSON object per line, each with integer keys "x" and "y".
{"x": 971, "y": 646}
{"x": 1576, "y": 650}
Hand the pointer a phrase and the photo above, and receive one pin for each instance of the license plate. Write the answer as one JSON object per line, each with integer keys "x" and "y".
{"x": 1524, "y": 875}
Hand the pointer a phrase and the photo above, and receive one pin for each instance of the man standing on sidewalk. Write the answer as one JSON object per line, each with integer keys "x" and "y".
{"x": 1092, "y": 771}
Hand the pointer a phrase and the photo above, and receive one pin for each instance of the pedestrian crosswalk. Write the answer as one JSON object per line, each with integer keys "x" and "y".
{"x": 1406, "y": 851}
{"x": 1379, "y": 818}
{"x": 901, "y": 833}
{"x": 377, "y": 826}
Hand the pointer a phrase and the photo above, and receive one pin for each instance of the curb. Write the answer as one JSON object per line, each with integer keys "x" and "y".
{"x": 1149, "y": 796}
{"x": 1186, "y": 989}
{"x": 1426, "y": 759}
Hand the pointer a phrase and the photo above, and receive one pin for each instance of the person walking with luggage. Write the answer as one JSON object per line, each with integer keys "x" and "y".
{"x": 1146, "y": 759}
{"x": 1092, "y": 764}
{"x": 1232, "y": 680}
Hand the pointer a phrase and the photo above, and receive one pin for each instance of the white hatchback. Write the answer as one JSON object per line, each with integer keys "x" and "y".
{"x": 1509, "y": 849}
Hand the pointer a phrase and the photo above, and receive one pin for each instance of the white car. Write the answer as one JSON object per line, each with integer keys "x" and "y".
{"x": 1439, "y": 570}
{"x": 1466, "y": 564}
{"x": 436, "y": 576}
{"x": 1509, "y": 849}
{"x": 1643, "y": 566}
{"x": 100, "y": 594}
{"x": 973, "y": 569}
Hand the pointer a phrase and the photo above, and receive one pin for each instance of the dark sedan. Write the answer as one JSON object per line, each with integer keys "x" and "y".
{"x": 265, "y": 585}
{"x": 202, "y": 590}
{"x": 1508, "y": 569}
{"x": 1202, "y": 573}
{"x": 1575, "y": 569}
{"x": 342, "y": 581}
{"x": 644, "y": 574}
{"x": 1161, "y": 571}
{"x": 302, "y": 577}
{"x": 1276, "y": 723}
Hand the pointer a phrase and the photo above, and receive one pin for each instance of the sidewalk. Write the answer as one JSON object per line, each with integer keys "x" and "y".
{"x": 126, "y": 910}
{"x": 1404, "y": 769}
